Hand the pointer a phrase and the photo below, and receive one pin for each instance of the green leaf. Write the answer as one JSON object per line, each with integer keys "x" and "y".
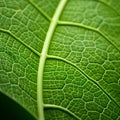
{"x": 60, "y": 59}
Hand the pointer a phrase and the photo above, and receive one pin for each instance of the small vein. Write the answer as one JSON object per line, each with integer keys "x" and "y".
{"x": 83, "y": 73}
{"x": 19, "y": 40}
{"x": 61, "y": 108}
{"x": 89, "y": 28}
{"x": 25, "y": 92}
{"x": 108, "y": 5}
{"x": 39, "y": 10}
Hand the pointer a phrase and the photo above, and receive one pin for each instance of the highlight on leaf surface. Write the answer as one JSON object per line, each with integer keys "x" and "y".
{"x": 60, "y": 59}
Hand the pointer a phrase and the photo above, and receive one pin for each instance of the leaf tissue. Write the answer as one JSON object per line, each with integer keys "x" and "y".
{"x": 60, "y": 59}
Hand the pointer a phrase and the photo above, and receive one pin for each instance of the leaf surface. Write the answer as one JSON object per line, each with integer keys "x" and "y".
{"x": 60, "y": 60}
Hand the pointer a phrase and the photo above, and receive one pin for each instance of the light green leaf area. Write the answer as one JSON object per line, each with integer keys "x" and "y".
{"x": 60, "y": 59}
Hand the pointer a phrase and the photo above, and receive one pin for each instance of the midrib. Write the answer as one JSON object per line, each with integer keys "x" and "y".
{"x": 40, "y": 104}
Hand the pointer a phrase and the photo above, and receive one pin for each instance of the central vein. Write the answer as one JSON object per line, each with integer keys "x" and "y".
{"x": 48, "y": 38}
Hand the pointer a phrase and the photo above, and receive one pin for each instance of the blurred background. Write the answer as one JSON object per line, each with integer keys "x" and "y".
{"x": 10, "y": 110}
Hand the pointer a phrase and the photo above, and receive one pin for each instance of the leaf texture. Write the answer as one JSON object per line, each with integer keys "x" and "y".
{"x": 60, "y": 59}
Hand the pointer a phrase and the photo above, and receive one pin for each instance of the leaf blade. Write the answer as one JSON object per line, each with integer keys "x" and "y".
{"x": 81, "y": 73}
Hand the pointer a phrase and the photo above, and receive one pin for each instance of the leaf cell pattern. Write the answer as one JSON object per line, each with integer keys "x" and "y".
{"x": 80, "y": 70}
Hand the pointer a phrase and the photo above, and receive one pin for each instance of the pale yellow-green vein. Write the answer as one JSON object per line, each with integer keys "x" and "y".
{"x": 61, "y": 108}
{"x": 42, "y": 60}
{"x": 89, "y": 28}
{"x": 19, "y": 40}
{"x": 84, "y": 74}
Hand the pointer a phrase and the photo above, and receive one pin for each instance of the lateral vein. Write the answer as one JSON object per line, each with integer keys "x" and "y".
{"x": 19, "y": 40}
{"x": 85, "y": 75}
{"x": 61, "y": 108}
{"x": 39, "y": 10}
{"x": 89, "y": 28}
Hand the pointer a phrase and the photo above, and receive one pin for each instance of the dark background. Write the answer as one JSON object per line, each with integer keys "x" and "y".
{"x": 10, "y": 110}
